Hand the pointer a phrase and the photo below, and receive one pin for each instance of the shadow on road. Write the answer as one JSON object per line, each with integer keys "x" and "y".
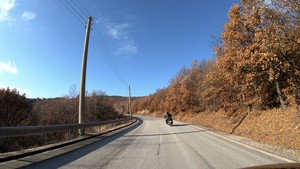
{"x": 177, "y": 125}
{"x": 65, "y": 158}
{"x": 166, "y": 134}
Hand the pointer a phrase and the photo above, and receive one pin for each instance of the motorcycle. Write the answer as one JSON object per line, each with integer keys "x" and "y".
{"x": 170, "y": 121}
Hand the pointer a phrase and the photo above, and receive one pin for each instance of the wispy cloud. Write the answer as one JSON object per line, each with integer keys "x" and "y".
{"x": 117, "y": 30}
{"x": 128, "y": 47}
{"x": 120, "y": 32}
{"x": 8, "y": 67}
{"x": 28, "y": 16}
{"x": 5, "y": 7}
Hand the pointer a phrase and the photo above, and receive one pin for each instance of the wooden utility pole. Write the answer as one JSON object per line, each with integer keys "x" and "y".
{"x": 129, "y": 103}
{"x": 83, "y": 77}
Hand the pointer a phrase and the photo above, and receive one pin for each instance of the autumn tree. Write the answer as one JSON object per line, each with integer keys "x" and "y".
{"x": 286, "y": 16}
{"x": 142, "y": 105}
{"x": 15, "y": 110}
{"x": 189, "y": 88}
{"x": 99, "y": 107}
{"x": 57, "y": 111}
{"x": 174, "y": 95}
{"x": 212, "y": 86}
{"x": 161, "y": 95}
{"x": 233, "y": 55}
{"x": 257, "y": 51}
{"x": 257, "y": 61}
{"x": 279, "y": 49}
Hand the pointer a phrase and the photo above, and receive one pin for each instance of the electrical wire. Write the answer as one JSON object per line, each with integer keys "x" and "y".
{"x": 80, "y": 9}
{"x": 84, "y": 8}
{"x": 103, "y": 49}
{"x": 75, "y": 10}
{"x": 96, "y": 36}
{"x": 82, "y": 22}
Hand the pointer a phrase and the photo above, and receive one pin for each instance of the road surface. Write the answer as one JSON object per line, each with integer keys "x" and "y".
{"x": 153, "y": 144}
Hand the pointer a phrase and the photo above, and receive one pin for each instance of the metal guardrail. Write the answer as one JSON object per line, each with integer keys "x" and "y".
{"x": 34, "y": 130}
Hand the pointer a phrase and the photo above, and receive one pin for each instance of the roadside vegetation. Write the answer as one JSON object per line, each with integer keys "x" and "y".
{"x": 257, "y": 64}
{"x": 17, "y": 110}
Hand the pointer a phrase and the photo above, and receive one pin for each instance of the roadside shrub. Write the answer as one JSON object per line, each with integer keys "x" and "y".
{"x": 15, "y": 110}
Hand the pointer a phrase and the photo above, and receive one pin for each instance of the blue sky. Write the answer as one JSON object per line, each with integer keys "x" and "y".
{"x": 146, "y": 42}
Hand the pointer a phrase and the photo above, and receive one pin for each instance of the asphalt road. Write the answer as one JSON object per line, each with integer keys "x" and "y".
{"x": 152, "y": 144}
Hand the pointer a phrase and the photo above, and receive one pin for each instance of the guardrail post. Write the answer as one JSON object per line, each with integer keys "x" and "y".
{"x": 69, "y": 134}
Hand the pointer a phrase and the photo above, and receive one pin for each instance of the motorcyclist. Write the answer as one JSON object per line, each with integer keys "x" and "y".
{"x": 167, "y": 116}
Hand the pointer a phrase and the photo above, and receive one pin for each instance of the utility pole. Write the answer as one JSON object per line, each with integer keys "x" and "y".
{"x": 129, "y": 103}
{"x": 83, "y": 77}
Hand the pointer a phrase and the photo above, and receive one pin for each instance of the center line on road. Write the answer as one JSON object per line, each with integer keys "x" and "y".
{"x": 159, "y": 143}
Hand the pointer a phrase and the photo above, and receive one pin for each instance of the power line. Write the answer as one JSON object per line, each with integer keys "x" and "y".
{"x": 75, "y": 10}
{"x": 80, "y": 9}
{"x": 102, "y": 47}
{"x": 72, "y": 13}
{"x": 96, "y": 36}
{"x": 84, "y": 8}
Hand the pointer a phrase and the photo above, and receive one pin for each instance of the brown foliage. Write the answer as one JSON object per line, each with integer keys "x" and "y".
{"x": 257, "y": 64}
{"x": 57, "y": 111}
{"x": 17, "y": 111}
{"x": 99, "y": 108}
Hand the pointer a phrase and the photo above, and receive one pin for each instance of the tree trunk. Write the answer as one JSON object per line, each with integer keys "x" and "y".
{"x": 249, "y": 107}
{"x": 224, "y": 106}
{"x": 241, "y": 103}
{"x": 214, "y": 105}
{"x": 255, "y": 89}
{"x": 297, "y": 99}
{"x": 280, "y": 95}
{"x": 256, "y": 92}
